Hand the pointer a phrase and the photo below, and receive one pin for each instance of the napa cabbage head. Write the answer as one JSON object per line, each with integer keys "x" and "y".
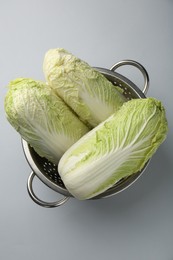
{"x": 42, "y": 118}
{"x": 93, "y": 97}
{"x": 118, "y": 147}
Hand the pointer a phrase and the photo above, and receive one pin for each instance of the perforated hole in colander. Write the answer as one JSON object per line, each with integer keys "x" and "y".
{"x": 47, "y": 168}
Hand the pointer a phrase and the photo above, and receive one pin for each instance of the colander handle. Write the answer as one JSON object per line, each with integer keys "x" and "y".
{"x": 137, "y": 65}
{"x": 39, "y": 201}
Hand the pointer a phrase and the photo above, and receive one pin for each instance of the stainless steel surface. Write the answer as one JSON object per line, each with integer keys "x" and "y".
{"x": 41, "y": 202}
{"x": 137, "y": 65}
{"x": 47, "y": 171}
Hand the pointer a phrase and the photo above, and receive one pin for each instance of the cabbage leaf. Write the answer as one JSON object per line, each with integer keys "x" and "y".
{"x": 116, "y": 148}
{"x": 42, "y": 118}
{"x": 93, "y": 97}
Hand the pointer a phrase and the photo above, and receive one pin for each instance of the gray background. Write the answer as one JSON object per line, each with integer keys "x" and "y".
{"x": 135, "y": 224}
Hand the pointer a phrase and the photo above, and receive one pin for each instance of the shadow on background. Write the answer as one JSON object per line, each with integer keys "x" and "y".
{"x": 155, "y": 180}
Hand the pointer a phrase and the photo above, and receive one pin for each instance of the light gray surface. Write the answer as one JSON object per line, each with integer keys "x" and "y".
{"x": 135, "y": 224}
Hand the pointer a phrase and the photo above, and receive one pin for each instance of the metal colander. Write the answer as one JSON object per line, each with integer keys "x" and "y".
{"x": 47, "y": 171}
